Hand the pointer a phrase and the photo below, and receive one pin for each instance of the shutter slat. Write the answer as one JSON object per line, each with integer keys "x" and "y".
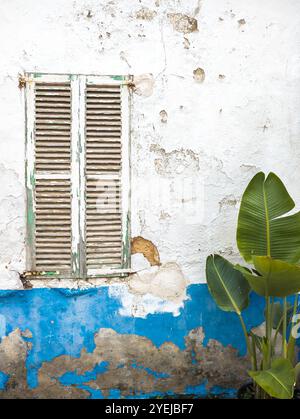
{"x": 52, "y": 131}
{"x": 103, "y": 156}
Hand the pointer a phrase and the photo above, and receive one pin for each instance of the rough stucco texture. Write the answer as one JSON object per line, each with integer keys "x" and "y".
{"x": 78, "y": 344}
{"x": 226, "y": 75}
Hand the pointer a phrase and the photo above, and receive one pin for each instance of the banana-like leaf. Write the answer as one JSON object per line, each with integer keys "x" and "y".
{"x": 227, "y": 286}
{"x": 261, "y": 229}
{"x": 276, "y": 279}
{"x": 278, "y": 381}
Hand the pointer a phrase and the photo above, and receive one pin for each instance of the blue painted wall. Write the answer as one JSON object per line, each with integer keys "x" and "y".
{"x": 63, "y": 322}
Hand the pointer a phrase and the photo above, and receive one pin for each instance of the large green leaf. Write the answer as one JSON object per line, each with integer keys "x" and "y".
{"x": 276, "y": 278}
{"x": 261, "y": 228}
{"x": 278, "y": 381}
{"x": 228, "y": 287}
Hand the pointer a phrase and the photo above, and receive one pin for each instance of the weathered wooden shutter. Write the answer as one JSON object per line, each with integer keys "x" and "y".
{"x": 49, "y": 174}
{"x": 77, "y": 175}
{"x": 107, "y": 175}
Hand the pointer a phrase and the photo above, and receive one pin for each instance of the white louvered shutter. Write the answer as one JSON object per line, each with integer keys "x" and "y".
{"x": 77, "y": 175}
{"x": 106, "y": 165}
{"x": 52, "y": 161}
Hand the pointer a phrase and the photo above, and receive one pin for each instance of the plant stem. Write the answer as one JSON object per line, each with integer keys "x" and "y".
{"x": 295, "y": 304}
{"x": 284, "y": 344}
{"x": 247, "y": 341}
{"x": 277, "y": 331}
{"x": 268, "y": 331}
{"x": 254, "y": 354}
{"x": 271, "y": 327}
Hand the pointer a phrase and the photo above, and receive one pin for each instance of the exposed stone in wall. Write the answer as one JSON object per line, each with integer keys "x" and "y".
{"x": 131, "y": 364}
{"x": 13, "y": 353}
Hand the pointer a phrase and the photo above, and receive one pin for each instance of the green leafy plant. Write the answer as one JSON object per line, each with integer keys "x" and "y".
{"x": 269, "y": 241}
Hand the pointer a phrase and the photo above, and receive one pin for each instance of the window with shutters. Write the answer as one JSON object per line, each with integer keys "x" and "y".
{"x": 78, "y": 175}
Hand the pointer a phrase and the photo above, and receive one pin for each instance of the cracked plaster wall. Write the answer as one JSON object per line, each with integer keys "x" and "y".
{"x": 216, "y": 100}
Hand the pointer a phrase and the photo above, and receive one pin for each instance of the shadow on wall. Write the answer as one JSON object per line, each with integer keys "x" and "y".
{"x": 75, "y": 344}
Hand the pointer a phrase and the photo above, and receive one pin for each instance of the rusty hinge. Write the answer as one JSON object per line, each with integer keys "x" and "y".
{"x": 22, "y": 81}
{"x": 130, "y": 84}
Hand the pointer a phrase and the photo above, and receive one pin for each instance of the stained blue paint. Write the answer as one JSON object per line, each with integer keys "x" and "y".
{"x": 63, "y": 322}
{"x": 218, "y": 391}
{"x": 152, "y": 395}
{"x": 3, "y": 380}
{"x": 94, "y": 394}
{"x": 114, "y": 394}
{"x": 2, "y": 326}
{"x": 199, "y": 389}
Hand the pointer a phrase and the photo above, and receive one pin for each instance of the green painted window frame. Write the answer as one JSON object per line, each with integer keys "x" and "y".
{"x": 78, "y": 85}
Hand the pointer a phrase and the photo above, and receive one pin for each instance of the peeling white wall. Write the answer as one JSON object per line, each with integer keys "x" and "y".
{"x": 219, "y": 102}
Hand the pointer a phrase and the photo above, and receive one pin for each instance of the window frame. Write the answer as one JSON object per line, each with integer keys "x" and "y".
{"x": 78, "y": 176}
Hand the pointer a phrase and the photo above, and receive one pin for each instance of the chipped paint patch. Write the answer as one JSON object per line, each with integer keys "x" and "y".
{"x": 67, "y": 344}
{"x": 174, "y": 163}
{"x": 136, "y": 302}
{"x": 159, "y": 289}
{"x": 199, "y": 75}
{"x": 145, "y": 14}
{"x": 143, "y": 85}
{"x": 166, "y": 282}
{"x": 127, "y": 363}
{"x": 183, "y": 23}
{"x": 227, "y": 201}
{"x": 147, "y": 248}
{"x": 163, "y": 116}
{"x": 186, "y": 43}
